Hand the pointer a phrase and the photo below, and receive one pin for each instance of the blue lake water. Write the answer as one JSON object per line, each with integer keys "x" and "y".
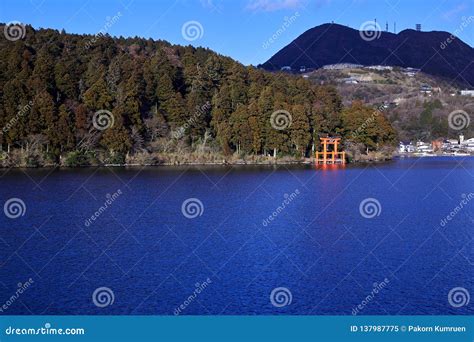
{"x": 320, "y": 252}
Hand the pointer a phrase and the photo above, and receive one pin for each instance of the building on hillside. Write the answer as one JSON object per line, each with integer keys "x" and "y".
{"x": 356, "y": 78}
{"x": 398, "y": 101}
{"x": 406, "y": 147}
{"x": 467, "y": 92}
{"x": 426, "y": 89}
{"x": 449, "y": 143}
{"x": 411, "y": 72}
{"x": 389, "y": 105}
{"x": 468, "y": 145}
{"x": 341, "y": 66}
{"x": 350, "y": 80}
{"x": 380, "y": 67}
{"x": 286, "y": 68}
{"x": 423, "y": 147}
{"x": 458, "y": 146}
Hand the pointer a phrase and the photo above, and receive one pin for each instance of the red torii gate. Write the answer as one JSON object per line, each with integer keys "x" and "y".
{"x": 330, "y": 157}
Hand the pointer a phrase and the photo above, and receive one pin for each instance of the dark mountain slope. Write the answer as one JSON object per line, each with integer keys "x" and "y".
{"x": 332, "y": 43}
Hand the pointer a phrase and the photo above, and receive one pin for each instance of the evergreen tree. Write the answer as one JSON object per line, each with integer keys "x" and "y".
{"x": 300, "y": 129}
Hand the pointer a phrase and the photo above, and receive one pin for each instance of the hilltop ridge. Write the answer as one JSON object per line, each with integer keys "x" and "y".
{"x": 434, "y": 52}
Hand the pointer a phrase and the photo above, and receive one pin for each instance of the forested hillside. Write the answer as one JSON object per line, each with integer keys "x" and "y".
{"x": 82, "y": 99}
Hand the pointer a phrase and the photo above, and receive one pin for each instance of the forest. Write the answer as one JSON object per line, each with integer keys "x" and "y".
{"x": 68, "y": 99}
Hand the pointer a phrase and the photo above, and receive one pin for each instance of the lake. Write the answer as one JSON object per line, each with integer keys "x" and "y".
{"x": 393, "y": 238}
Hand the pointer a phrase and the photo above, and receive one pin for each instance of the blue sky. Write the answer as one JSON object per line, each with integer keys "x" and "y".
{"x": 240, "y": 29}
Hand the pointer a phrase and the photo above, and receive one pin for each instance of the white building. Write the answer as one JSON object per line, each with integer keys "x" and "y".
{"x": 350, "y": 80}
{"x": 426, "y": 89}
{"x": 380, "y": 67}
{"x": 467, "y": 93}
{"x": 406, "y": 147}
{"x": 342, "y": 66}
{"x": 423, "y": 147}
{"x": 468, "y": 144}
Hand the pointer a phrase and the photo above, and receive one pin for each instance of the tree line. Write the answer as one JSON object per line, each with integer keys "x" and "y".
{"x": 53, "y": 84}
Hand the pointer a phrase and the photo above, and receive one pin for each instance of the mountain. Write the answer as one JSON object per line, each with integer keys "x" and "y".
{"x": 435, "y": 53}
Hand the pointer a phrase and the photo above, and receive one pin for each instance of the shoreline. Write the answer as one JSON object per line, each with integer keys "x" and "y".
{"x": 248, "y": 163}
{"x": 306, "y": 161}
{"x": 239, "y": 162}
